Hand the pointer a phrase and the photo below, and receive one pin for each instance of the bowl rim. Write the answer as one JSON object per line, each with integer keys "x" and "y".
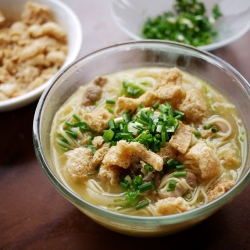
{"x": 142, "y": 220}
{"x": 20, "y": 101}
{"x": 208, "y": 47}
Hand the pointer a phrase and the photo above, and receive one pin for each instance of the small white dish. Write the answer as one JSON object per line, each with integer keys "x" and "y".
{"x": 235, "y": 22}
{"x": 67, "y": 19}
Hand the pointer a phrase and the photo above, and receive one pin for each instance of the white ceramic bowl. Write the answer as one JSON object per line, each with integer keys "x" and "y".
{"x": 131, "y": 14}
{"x": 67, "y": 19}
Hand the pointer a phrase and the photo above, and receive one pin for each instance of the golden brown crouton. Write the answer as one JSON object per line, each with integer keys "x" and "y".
{"x": 55, "y": 57}
{"x": 208, "y": 162}
{"x": 127, "y": 103}
{"x": 121, "y": 155}
{"x": 99, "y": 155}
{"x": 55, "y": 30}
{"x": 118, "y": 155}
{"x": 172, "y": 76}
{"x": 230, "y": 158}
{"x": 151, "y": 158}
{"x": 170, "y": 93}
{"x": 98, "y": 119}
{"x": 167, "y": 152}
{"x": 148, "y": 98}
{"x": 194, "y": 105}
{"x": 79, "y": 163}
{"x": 97, "y": 141}
{"x": 182, "y": 138}
{"x": 171, "y": 205}
{"x": 110, "y": 174}
{"x": 36, "y": 13}
{"x": 206, "y": 133}
{"x": 219, "y": 188}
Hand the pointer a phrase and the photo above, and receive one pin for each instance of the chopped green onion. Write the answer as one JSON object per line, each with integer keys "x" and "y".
{"x": 180, "y": 173}
{"x": 178, "y": 113}
{"x": 121, "y": 126}
{"x": 171, "y": 162}
{"x": 71, "y": 133}
{"x": 63, "y": 139}
{"x": 77, "y": 118}
{"x": 141, "y": 106}
{"x": 141, "y": 204}
{"x": 207, "y": 126}
{"x": 144, "y": 115}
{"x": 63, "y": 148}
{"x": 125, "y": 128}
{"x": 111, "y": 124}
{"x": 108, "y": 135}
{"x": 109, "y": 101}
{"x": 126, "y": 116}
{"x": 187, "y": 23}
{"x": 110, "y": 110}
{"x": 146, "y": 186}
{"x": 142, "y": 122}
{"x": 163, "y": 139}
{"x": 216, "y": 12}
{"x": 214, "y": 129}
{"x": 197, "y": 133}
{"x": 164, "y": 117}
{"x": 180, "y": 167}
{"x": 137, "y": 180}
{"x": 148, "y": 168}
{"x": 163, "y": 109}
{"x": 140, "y": 128}
{"x": 178, "y": 117}
{"x": 130, "y": 90}
{"x": 93, "y": 149}
{"x": 113, "y": 143}
{"x": 124, "y": 184}
{"x": 172, "y": 183}
{"x": 124, "y": 84}
{"x": 118, "y": 119}
{"x": 156, "y": 105}
{"x": 69, "y": 124}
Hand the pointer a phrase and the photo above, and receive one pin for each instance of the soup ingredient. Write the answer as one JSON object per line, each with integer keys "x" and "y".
{"x": 188, "y": 24}
{"x": 31, "y": 50}
{"x": 143, "y": 158}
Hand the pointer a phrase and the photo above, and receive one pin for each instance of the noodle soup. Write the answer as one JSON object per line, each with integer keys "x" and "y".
{"x": 148, "y": 142}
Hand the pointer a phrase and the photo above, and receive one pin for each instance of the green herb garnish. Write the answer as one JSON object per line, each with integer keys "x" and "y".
{"x": 187, "y": 23}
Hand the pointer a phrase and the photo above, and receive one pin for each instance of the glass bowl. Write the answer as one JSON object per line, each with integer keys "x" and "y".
{"x": 130, "y": 15}
{"x": 127, "y": 56}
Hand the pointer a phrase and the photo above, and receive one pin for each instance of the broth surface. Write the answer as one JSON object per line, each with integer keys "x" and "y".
{"x": 210, "y": 160}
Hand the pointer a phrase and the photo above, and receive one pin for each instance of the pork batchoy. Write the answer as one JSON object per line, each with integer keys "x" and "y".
{"x": 152, "y": 141}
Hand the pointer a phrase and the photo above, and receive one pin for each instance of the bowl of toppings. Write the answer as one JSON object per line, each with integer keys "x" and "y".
{"x": 38, "y": 38}
{"x": 150, "y": 143}
{"x": 206, "y": 24}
